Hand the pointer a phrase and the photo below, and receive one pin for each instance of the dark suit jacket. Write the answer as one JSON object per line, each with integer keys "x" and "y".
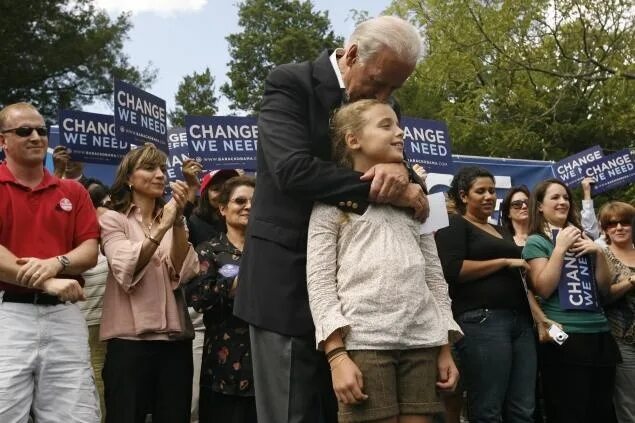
{"x": 294, "y": 171}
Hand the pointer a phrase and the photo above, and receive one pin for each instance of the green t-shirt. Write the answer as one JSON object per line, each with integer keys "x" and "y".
{"x": 574, "y": 321}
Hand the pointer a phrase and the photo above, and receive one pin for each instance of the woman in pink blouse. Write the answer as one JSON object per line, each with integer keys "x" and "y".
{"x": 148, "y": 366}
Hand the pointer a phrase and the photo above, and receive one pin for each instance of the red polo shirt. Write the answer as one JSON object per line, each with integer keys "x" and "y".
{"x": 47, "y": 221}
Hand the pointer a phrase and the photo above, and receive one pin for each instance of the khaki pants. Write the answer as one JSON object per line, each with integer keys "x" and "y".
{"x": 97, "y": 355}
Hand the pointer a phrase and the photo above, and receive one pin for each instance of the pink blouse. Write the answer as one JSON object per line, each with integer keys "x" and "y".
{"x": 141, "y": 306}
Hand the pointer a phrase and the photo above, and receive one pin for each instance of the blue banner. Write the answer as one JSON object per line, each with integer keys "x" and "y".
{"x": 570, "y": 169}
{"x": 90, "y": 137}
{"x": 223, "y": 142}
{"x": 140, "y": 117}
{"x": 612, "y": 171}
{"x": 427, "y": 142}
{"x": 179, "y": 152}
{"x": 507, "y": 173}
{"x": 576, "y": 289}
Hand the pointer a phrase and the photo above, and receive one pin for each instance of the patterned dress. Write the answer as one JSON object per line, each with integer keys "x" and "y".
{"x": 226, "y": 366}
{"x": 621, "y": 313}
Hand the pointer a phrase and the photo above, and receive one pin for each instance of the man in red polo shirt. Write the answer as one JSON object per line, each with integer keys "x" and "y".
{"x": 48, "y": 233}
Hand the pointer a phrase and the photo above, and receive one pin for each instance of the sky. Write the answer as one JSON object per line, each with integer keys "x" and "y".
{"x": 178, "y": 37}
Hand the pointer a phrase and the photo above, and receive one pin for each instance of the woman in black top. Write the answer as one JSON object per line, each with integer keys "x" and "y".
{"x": 489, "y": 301}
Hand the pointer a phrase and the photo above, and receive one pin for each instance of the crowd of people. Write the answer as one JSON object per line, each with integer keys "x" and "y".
{"x": 308, "y": 293}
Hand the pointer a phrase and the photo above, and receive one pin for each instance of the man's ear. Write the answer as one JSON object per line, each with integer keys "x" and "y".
{"x": 352, "y": 142}
{"x": 350, "y": 56}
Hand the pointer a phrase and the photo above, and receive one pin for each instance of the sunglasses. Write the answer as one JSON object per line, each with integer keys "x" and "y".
{"x": 25, "y": 131}
{"x": 518, "y": 204}
{"x": 240, "y": 201}
{"x": 613, "y": 224}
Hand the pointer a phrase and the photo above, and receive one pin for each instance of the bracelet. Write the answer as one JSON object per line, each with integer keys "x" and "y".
{"x": 332, "y": 359}
{"x": 153, "y": 240}
{"x": 335, "y": 351}
{"x": 179, "y": 222}
{"x": 334, "y": 365}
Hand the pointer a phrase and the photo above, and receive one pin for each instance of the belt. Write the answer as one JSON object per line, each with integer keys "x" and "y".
{"x": 38, "y": 298}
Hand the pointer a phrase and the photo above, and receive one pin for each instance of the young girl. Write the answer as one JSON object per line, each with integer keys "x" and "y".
{"x": 378, "y": 298}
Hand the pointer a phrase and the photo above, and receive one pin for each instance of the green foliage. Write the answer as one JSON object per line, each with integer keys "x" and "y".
{"x": 274, "y": 32}
{"x": 62, "y": 54}
{"x": 531, "y": 79}
{"x": 195, "y": 96}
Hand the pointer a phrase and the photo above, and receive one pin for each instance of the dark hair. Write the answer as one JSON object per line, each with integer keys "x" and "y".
{"x": 97, "y": 191}
{"x": 463, "y": 181}
{"x": 506, "y": 205}
{"x": 231, "y": 184}
{"x": 204, "y": 209}
{"x": 537, "y": 222}
{"x": 120, "y": 192}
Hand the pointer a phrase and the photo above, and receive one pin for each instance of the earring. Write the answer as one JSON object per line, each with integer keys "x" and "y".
{"x": 130, "y": 187}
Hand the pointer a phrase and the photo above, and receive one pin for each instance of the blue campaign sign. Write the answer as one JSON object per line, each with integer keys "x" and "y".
{"x": 427, "y": 142}
{"x": 179, "y": 152}
{"x": 90, "y": 137}
{"x": 223, "y": 142}
{"x": 569, "y": 169}
{"x": 139, "y": 116}
{"x": 612, "y": 171}
{"x": 507, "y": 173}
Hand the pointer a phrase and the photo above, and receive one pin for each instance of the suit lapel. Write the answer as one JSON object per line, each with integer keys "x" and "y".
{"x": 327, "y": 89}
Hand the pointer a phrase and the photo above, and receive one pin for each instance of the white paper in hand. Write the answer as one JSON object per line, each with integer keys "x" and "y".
{"x": 438, "y": 214}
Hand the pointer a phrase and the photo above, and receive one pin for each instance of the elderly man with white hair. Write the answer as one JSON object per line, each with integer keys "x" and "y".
{"x": 295, "y": 169}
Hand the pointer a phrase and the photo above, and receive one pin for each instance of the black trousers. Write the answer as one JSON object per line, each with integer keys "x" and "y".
{"x": 291, "y": 378}
{"x": 218, "y": 408}
{"x": 578, "y": 378}
{"x": 148, "y": 377}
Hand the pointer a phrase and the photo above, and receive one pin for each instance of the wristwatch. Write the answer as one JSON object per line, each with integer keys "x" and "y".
{"x": 64, "y": 261}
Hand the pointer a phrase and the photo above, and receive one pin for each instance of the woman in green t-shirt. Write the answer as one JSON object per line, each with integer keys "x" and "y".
{"x": 570, "y": 273}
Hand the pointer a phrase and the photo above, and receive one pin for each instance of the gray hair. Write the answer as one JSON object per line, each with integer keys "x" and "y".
{"x": 387, "y": 32}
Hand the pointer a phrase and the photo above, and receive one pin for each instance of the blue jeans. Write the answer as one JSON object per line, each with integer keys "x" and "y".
{"x": 498, "y": 364}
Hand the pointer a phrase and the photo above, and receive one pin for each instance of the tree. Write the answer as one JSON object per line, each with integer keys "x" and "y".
{"x": 62, "y": 54}
{"x": 525, "y": 78}
{"x": 195, "y": 96}
{"x": 274, "y": 32}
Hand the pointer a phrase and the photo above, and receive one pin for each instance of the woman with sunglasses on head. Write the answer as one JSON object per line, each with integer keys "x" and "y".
{"x": 226, "y": 385}
{"x": 148, "y": 364}
{"x": 482, "y": 266}
{"x": 570, "y": 272}
{"x": 616, "y": 220}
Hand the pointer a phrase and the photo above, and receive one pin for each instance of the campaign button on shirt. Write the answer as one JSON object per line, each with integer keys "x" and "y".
{"x": 66, "y": 205}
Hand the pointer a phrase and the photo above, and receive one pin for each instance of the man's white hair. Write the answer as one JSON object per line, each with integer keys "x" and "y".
{"x": 387, "y": 32}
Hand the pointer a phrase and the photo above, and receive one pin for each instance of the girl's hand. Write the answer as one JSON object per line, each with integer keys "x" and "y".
{"x": 448, "y": 374}
{"x": 567, "y": 237}
{"x": 585, "y": 245}
{"x": 348, "y": 381}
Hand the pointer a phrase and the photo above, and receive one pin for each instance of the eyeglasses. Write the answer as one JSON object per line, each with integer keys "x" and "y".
{"x": 518, "y": 204}
{"x": 240, "y": 201}
{"x": 25, "y": 131}
{"x": 613, "y": 223}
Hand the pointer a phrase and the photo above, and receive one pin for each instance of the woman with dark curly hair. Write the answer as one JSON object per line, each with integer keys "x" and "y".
{"x": 483, "y": 269}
